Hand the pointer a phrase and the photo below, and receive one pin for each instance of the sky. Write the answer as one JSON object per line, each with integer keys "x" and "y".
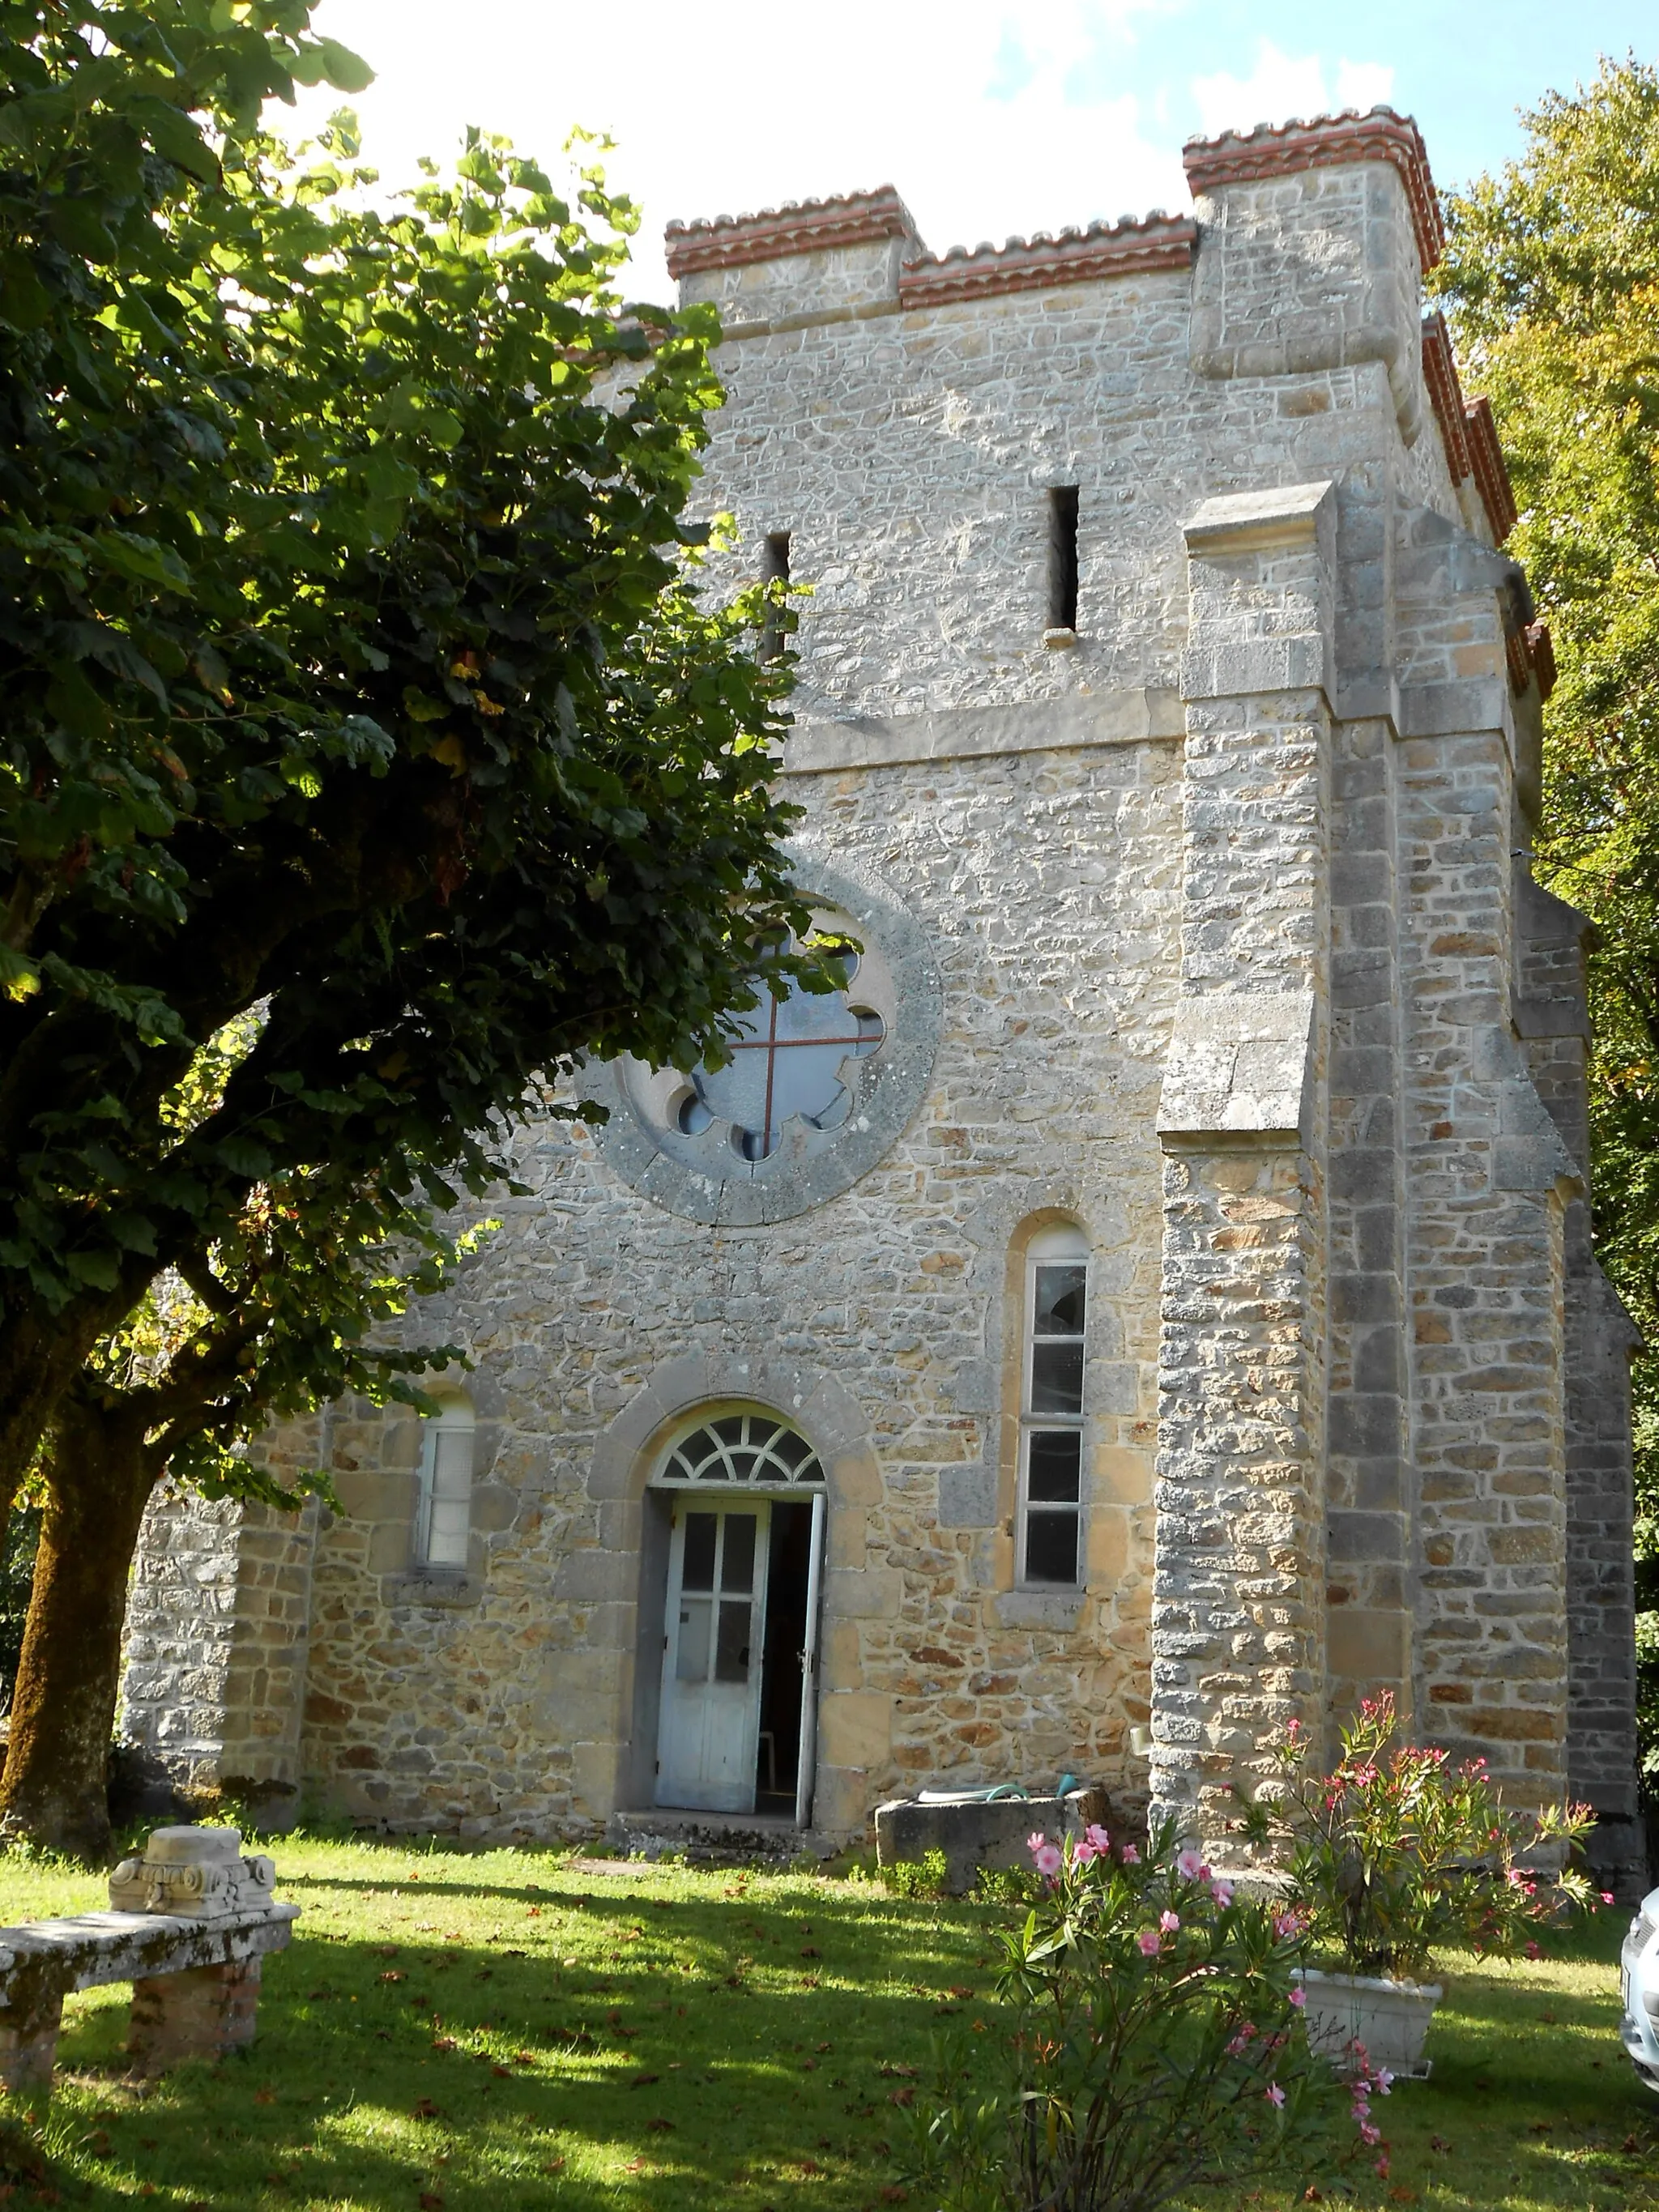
{"x": 994, "y": 117}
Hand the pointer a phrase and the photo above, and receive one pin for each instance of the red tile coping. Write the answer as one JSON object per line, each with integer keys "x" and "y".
{"x": 1445, "y": 393}
{"x": 1326, "y": 141}
{"x": 799, "y": 226}
{"x": 1076, "y": 257}
{"x": 1467, "y": 431}
{"x": 1491, "y": 478}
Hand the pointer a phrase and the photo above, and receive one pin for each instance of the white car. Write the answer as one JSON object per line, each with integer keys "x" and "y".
{"x": 1638, "y": 1984}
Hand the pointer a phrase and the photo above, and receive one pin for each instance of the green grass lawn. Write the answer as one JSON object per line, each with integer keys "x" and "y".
{"x": 482, "y": 2033}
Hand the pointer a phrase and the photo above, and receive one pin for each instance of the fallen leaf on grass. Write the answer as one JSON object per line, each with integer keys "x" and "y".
{"x": 1400, "y": 2195}
{"x": 504, "y": 2073}
{"x": 525, "y": 2058}
{"x": 644, "y": 2080}
{"x": 962, "y": 1994}
{"x": 1630, "y": 2148}
{"x": 430, "y": 2202}
{"x": 892, "y": 2194}
{"x": 810, "y": 1951}
{"x": 1439, "y": 2143}
{"x": 1540, "y": 2127}
{"x": 553, "y": 2165}
{"x": 443, "y": 2043}
{"x": 659, "y": 2127}
{"x": 902, "y": 2097}
{"x": 425, "y": 2109}
{"x": 265, "y": 2096}
{"x": 392, "y": 1974}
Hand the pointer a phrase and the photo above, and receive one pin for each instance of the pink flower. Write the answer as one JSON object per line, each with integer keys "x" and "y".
{"x": 1151, "y": 1944}
{"x": 1273, "y": 2094}
{"x": 1222, "y": 1892}
{"x": 1190, "y": 1865}
{"x": 1369, "y": 2135}
{"x": 1287, "y": 1925}
{"x": 1294, "y": 1729}
{"x": 1096, "y": 1838}
{"x": 1169, "y": 1922}
{"x": 1381, "y": 2080}
{"x": 1034, "y": 1841}
{"x": 1083, "y": 1854}
{"x": 1298, "y": 1998}
{"x": 1048, "y": 1860}
{"x": 1606, "y": 1897}
{"x": 1130, "y": 1854}
{"x": 1532, "y": 1950}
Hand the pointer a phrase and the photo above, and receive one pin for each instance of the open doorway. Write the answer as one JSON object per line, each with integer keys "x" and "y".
{"x": 736, "y": 1729}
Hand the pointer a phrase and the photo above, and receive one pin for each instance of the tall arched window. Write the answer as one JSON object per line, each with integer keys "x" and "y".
{"x": 1050, "y": 1534}
{"x": 444, "y": 1520}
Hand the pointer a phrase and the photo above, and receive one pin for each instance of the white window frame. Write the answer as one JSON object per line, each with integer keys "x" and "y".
{"x": 447, "y": 1444}
{"x": 1064, "y": 1244}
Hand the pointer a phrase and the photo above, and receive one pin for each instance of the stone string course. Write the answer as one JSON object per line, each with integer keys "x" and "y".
{"x": 1240, "y": 972}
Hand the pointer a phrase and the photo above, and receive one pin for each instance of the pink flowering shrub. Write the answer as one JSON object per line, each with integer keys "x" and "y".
{"x": 1150, "y": 2044}
{"x": 1395, "y": 1853}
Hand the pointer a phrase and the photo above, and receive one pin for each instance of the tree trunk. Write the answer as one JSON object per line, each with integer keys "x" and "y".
{"x": 62, "y": 1709}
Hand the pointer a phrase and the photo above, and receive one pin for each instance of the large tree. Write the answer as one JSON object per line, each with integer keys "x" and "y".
{"x": 1551, "y": 281}
{"x": 350, "y": 673}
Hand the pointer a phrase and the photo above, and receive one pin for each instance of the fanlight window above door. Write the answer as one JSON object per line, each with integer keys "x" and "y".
{"x": 744, "y": 1449}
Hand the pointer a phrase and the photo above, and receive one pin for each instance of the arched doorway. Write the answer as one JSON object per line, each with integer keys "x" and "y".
{"x": 738, "y": 1716}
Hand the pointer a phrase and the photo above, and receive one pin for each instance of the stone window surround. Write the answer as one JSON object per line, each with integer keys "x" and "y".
{"x": 1029, "y": 1421}
{"x": 455, "y": 1417}
{"x": 893, "y": 1082}
{"x": 495, "y": 1505}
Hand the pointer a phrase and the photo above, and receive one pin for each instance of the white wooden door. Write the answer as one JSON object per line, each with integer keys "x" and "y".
{"x": 709, "y": 1732}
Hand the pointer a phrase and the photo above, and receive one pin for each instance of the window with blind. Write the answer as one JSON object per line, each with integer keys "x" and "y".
{"x": 1051, "y": 1410}
{"x": 444, "y": 1521}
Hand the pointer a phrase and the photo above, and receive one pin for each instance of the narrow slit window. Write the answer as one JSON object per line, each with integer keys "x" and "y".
{"x": 1050, "y": 1527}
{"x": 775, "y": 569}
{"x": 444, "y": 1521}
{"x": 1062, "y": 557}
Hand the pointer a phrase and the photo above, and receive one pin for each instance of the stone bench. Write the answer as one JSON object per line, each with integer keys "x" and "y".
{"x": 190, "y": 1925}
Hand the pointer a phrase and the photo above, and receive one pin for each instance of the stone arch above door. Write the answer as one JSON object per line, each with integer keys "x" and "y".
{"x": 808, "y": 1398}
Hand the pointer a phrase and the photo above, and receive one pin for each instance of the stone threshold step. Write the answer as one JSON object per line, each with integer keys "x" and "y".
{"x": 713, "y": 1839}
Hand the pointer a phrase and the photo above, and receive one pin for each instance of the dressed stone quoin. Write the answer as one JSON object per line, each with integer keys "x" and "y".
{"x": 1152, "y": 1299}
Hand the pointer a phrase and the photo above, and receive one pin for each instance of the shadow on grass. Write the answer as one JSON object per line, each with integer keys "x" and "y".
{"x": 652, "y": 2046}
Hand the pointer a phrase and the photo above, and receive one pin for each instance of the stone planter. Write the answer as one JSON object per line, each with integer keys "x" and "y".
{"x": 1391, "y": 2018}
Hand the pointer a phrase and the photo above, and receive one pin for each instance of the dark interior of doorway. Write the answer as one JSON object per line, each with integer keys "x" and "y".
{"x": 776, "y": 1767}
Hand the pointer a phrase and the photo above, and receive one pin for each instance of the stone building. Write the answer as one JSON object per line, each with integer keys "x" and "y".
{"x": 1154, "y": 1300}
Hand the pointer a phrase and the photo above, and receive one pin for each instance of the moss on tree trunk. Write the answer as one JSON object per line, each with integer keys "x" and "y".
{"x": 62, "y": 1707}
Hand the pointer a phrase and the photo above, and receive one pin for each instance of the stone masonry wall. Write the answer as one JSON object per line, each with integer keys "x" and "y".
{"x": 1047, "y": 883}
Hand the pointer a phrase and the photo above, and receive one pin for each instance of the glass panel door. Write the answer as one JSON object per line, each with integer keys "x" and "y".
{"x": 714, "y": 1635}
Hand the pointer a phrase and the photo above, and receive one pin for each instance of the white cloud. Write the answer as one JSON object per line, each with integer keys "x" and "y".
{"x": 1286, "y": 85}
{"x": 962, "y": 103}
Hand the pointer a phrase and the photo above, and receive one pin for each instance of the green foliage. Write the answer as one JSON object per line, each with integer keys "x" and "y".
{"x": 926, "y": 1877}
{"x": 1395, "y": 1853}
{"x": 1550, "y": 283}
{"x": 357, "y": 693}
{"x": 1152, "y": 2045}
